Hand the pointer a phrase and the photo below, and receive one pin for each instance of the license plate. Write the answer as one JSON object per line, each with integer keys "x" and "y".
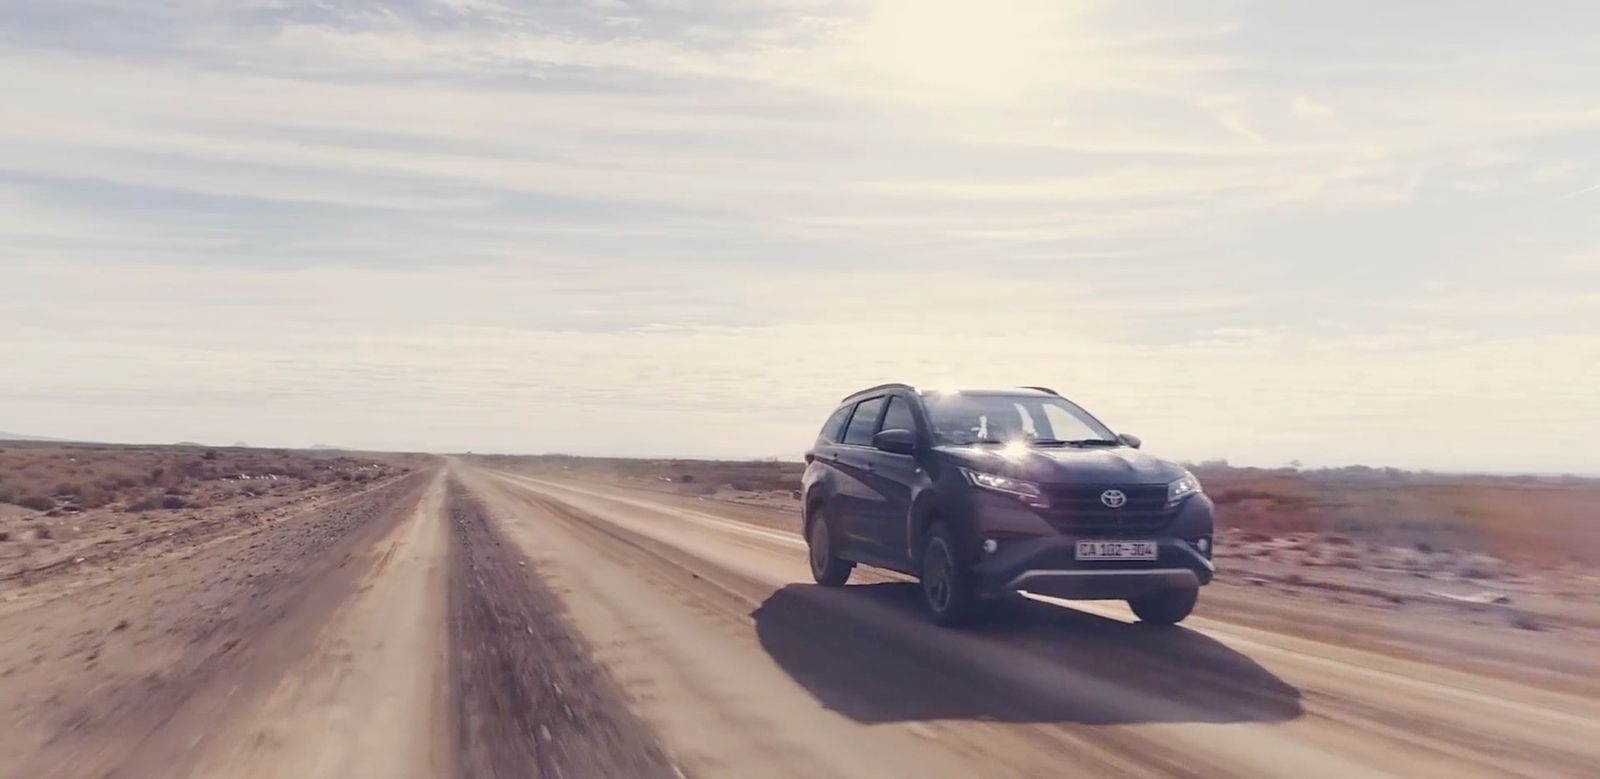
{"x": 1116, "y": 550}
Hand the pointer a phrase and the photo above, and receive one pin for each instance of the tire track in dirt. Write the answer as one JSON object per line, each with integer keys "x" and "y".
{"x": 368, "y": 699}
{"x": 527, "y": 695}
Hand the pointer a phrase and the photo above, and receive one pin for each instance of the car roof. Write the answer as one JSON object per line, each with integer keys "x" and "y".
{"x": 1016, "y": 391}
{"x": 1013, "y": 391}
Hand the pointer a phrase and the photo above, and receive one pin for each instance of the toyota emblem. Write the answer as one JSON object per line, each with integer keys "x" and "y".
{"x": 1114, "y": 499}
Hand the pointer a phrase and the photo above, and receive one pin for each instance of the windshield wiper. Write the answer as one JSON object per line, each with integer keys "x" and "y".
{"x": 1043, "y": 442}
{"x": 1077, "y": 442}
{"x": 1047, "y": 442}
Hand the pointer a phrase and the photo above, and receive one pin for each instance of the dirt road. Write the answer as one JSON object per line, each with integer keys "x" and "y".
{"x": 473, "y": 623}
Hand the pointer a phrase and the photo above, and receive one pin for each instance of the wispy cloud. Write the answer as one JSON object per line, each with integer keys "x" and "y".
{"x": 1581, "y": 192}
{"x": 608, "y": 224}
{"x": 1307, "y": 108}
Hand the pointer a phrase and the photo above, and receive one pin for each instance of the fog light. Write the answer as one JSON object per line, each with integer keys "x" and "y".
{"x": 1204, "y": 545}
{"x": 990, "y": 546}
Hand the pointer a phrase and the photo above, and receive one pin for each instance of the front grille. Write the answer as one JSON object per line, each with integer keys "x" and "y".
{"x": 1078, "y": 510}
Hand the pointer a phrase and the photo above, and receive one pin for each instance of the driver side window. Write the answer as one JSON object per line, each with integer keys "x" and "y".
{"x": 864, "y": 422}
{"x": 898, "y": 417}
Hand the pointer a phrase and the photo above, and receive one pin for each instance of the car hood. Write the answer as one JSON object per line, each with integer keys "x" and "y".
{"x": 1066, "y": 464}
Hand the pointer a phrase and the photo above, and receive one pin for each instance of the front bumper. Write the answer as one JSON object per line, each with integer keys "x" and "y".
{"x": 1047, "y": 566}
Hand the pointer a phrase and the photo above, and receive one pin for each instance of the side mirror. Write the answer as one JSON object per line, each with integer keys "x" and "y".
{"x": 1130, "y": 439}
{"x": 898, "y": 440}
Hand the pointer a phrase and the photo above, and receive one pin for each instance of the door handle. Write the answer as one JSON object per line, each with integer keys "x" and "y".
{"x": 869, "y": 467}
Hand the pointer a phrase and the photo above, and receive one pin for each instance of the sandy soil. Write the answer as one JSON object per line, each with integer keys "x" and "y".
{"x": 120, "y": 663}
{"x": 105, "y": 505}
{"x": 460, "y": 621}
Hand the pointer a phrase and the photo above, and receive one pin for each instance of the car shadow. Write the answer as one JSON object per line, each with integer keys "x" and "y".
{"x": 867, "y": 652}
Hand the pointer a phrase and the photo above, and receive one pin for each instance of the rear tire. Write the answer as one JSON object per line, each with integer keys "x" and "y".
{"x": 1167, "y": 607}
{"x": 948, "y": 592}
{"x": 826, "y": 566}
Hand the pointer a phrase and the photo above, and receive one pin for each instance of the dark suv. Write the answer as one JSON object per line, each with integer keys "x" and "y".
{"x": 985, "y": 493}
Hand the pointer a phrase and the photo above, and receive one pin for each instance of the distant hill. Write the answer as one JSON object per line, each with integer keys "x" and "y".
{"x": 325, "y": 447}
{"x": 4, "y": 436}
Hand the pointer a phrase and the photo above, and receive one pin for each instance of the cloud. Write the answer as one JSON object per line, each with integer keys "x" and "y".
{"x": 615, "y": 226}
{"x": 1581, "y": 192}
{"x": 1234, "y": 122}
{"x": 1306, "y": 108}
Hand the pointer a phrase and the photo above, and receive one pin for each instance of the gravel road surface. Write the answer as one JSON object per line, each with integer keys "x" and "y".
{"x": 465, "y": 622}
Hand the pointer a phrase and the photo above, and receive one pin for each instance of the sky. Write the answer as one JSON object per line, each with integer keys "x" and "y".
{"x": 1332, "y": 233}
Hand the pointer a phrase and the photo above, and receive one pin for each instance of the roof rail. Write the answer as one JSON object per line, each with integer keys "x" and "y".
{"x": 891, "y": 385}
{"x": 1046, "y": 390}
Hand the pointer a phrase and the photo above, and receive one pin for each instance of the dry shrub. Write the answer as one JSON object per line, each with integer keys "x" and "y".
{"x": 88, "y": 477}
{"x": 93, "y": 497}
{"x": 37, "y": 502}
{"x": 1268, "y": 516}
{"x": 1273, "y": 494}
{"x": 148, "y": 503}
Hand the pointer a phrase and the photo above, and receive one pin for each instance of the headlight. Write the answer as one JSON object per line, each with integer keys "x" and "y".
{"x": 1185, "y": 486}
{"x": 1026, "y": 491}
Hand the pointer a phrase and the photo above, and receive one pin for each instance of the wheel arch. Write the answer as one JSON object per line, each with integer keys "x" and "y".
{"x": 925, "y": 513}
{"x": 814, "y": 500}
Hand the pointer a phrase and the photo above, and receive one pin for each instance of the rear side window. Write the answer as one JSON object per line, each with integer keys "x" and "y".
{"x": 898, "y": 417}
{"x": 834, "y": 427}
{"x": 864, "y": 422}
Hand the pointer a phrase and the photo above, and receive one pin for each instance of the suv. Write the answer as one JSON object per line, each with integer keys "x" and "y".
{"x": 981, "y": 494}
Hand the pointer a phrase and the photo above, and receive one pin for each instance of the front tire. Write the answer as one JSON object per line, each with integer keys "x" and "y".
{"x": 948, "y": 592}
{"x": 1166, "y": 607}
{"x": 826, "y": 567}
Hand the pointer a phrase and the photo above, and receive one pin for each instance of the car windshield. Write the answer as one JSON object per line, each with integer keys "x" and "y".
{"x": 968, "y": 418}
